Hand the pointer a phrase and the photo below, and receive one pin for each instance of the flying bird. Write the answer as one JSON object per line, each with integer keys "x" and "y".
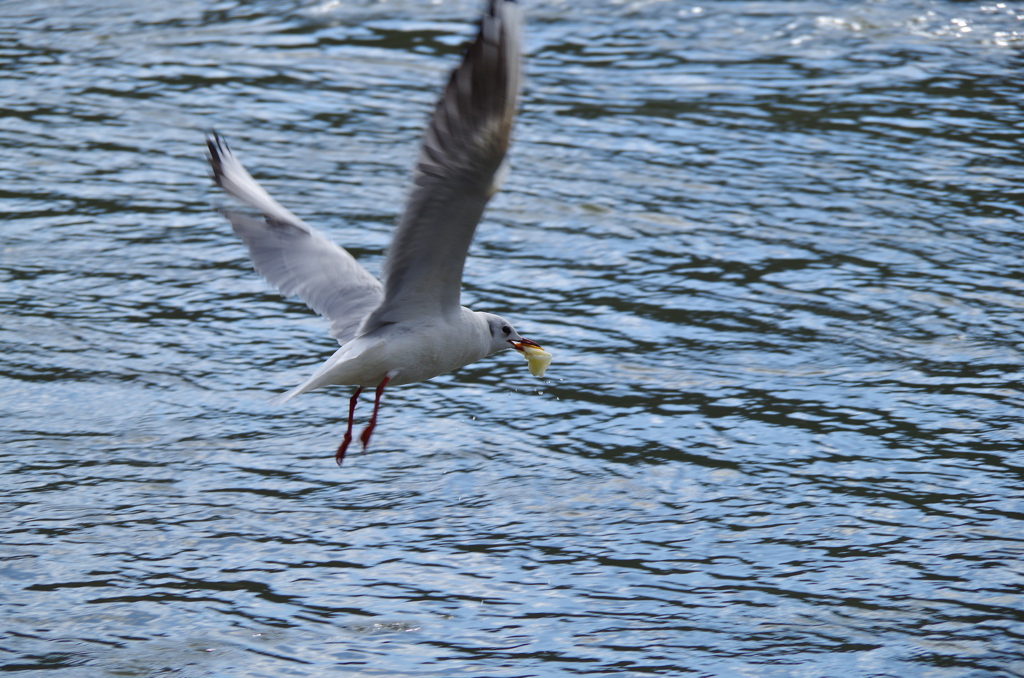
{"x": 409, "y": 326}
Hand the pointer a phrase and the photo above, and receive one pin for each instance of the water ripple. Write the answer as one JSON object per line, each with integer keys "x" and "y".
{"x": 773, "y": 247}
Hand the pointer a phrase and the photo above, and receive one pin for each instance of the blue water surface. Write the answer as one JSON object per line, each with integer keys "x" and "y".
{"x": 774, "y": 247}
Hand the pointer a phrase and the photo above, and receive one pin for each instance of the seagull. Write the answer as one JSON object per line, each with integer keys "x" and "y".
{"x": 409, "y": 326}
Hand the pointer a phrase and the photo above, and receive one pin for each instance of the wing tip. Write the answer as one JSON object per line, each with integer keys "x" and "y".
{"x": 217, "y": 153}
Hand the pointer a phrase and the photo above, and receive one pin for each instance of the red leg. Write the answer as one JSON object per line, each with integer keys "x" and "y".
{"x": 339, "y": 456}
{"x": 368, "y": 431}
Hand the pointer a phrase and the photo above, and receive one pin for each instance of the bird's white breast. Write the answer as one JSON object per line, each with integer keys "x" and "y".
{"x": 420, "y": 351}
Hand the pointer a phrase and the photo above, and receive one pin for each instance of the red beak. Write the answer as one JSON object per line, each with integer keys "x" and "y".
{"x": 518, "y": 345}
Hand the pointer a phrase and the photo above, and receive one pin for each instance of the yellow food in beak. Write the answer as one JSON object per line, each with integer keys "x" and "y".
{"x": 537, "y": 359}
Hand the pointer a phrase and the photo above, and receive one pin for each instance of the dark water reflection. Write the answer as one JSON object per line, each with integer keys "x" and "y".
{"x": 774, "y": 247}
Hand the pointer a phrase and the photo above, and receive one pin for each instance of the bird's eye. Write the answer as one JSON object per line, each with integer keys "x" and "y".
{"x": 506, "y": 329}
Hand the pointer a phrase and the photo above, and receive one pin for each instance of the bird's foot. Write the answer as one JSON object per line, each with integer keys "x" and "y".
{"x": 368, "y": 431}
{"x": 339, "y": 456}
{"x": 364, "y": 437}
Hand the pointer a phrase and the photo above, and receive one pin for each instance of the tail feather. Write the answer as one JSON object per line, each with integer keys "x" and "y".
{"x": 282, "y": 398}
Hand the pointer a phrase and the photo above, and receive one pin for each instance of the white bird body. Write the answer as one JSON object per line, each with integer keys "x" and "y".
{"x": 406, "y": 353}
{"x": 409, "y": 326}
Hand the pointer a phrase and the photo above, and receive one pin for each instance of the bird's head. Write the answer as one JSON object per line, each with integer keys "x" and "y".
{"x": 503, "y": 336}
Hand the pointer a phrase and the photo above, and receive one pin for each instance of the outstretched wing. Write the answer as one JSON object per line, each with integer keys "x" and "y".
{"x": 459, "y": 167}
{"x": 293, "y": 256}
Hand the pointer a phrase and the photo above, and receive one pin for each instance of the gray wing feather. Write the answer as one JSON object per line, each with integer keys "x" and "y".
{"x": 293, "y": 256}
{"x": 459, "y": 163}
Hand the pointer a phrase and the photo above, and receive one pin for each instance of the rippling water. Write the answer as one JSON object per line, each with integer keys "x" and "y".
{"x": 775, "y": 248}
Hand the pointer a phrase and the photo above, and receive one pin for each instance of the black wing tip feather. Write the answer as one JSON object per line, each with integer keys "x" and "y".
{"x": 488, "y": 70}
{"x": 492, "y": 13}
{"x": 497, "y": 3}
{"x": 217, "y": 147}
{"x": 479, "y": 91}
